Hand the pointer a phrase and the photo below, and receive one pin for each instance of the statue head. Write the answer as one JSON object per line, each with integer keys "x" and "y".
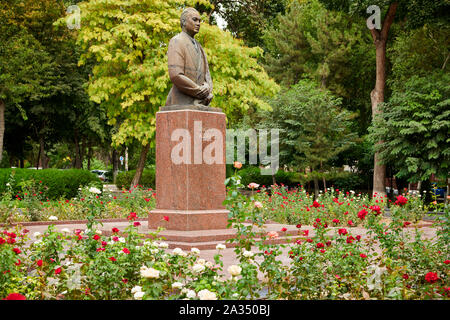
{"x": 190, "y": 21}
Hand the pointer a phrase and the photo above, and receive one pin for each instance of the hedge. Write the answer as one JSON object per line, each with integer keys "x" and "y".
{"x": 54, "y": 183}
{"x": 124, "y": 178}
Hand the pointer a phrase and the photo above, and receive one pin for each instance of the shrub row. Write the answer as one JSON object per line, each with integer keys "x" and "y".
{"x": 123, "y": 179}
{"x": 341, "y": 180}
{"x": 54, "y": 183}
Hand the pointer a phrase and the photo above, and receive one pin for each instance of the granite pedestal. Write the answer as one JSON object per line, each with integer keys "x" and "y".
{"x": 190, "y": 169}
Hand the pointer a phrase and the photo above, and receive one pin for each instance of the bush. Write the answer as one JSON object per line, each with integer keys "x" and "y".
{"x": 124, "y": 179}
{"x": 55, "y": 183}
{"x": 253, "y": 174}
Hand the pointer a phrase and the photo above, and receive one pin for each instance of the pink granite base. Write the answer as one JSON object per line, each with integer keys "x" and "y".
{"x": 190, "y": 170}
{"x": 188, "y": 220}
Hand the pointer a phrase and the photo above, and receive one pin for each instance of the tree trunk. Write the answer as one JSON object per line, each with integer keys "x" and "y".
{"x": 141, "y": 165}
{"x": 78, "y": 161}
{"x": 89, "y": 156}
{"x": 43, "y": 159}
{"x": 2, "y": 127}
{"x": 115, "y": 164}
{"x": 377, "y": 94}
{"x": 316, "y": 187}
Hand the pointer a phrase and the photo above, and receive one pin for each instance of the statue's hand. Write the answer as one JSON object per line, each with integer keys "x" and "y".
{"x": 203, "y": 91}
{"x": 208, "y": 99}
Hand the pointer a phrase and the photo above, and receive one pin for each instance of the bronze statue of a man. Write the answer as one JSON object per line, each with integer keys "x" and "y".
{"x": 188, "y": 67}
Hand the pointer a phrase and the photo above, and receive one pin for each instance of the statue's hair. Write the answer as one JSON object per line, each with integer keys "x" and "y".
{"x": 185, "y": 14}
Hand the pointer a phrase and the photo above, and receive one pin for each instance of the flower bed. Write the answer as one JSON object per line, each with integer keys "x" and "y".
{"x": 386, "y": 263}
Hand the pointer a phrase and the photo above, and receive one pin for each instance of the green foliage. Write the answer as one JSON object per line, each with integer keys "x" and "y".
{"x": 248, "y": 19}
{"x": 311, "y": 41}
{"x": 55, "y": 183}
{"x": 414, "y": 127}
{"x": 124, "y": 178}
{"x": 313, "y": 127}
{"x": 419, "y": 52}
{"x": 128, "y": 40}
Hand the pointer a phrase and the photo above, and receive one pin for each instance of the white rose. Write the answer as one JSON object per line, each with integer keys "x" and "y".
{"x": 177, "y": 285}
{"x": 8, "y": 184}
{"x": 121, "y": 239}
{"x": 65, "y": 230}
{"x": 191, "y": 294}
{"x": 201, "y": 261}
{"x": 149, "y": 273}
{"x": 234, "y": 270}
{"x": 248, "y": 254}
{"x": 52, "y": 218}
{"x": 220, "y": 246}
{"x": 208, "y": 264}
{"x": 205, "y": 294}
{"x": 136, "y": 289}
{"x": 179, "y": 252}
{"x": 198, "y": 268}
{"x": 98, "y": 231}
{"x": 94, "y": 190}
{"x": 139, "y": 295}
{"x": 163, "y": 245}
{"x": 37, "y": 234}
{"x": 195, "y": 251}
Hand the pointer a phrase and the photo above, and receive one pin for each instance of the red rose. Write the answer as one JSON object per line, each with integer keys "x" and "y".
{"x": 447, "y": 261}
{"x": 350, "y": 222}
{"x": 401, "y": 200}
{"x": 115, "y": 230}
{"x": 342, "y": 231}
{"x": 283, "y": 229}
{"x": 58, "y": 270}
{"x": 112, "y": 259}
{"x": 100, "y": 249}
{"x": 320, "y": 245}
{"x": 115, "y": 239}
{"x": 316, "y": 204}
{"x": 362, "y": 214}
{"x": 96, "y": 237}
{"x": 17, "y": 250}
{"x": 39, "y": 263}
{"x": 350, "y": 239}
{"x": 305, "y": 233}
{"x": 405, "y": 276}
{"x": 358, "y": 237}
{"x": 362, "y": 255}
{"x": 406, "y": 223}
{"x": 137, "y": 224}
{"x": 431, "y": 277}
{"x": 125, "y": 250}
{"x": 336, "y": 221}
{"x": 299, "y": 226}
{"x": 18, "y": 262}
{"x": 309, "y": 240}
{"x": 15, "y": 296}
{"x": 132, "y": 216}
{"x": 166, "y": 218}
{"x": 2, "y": 241}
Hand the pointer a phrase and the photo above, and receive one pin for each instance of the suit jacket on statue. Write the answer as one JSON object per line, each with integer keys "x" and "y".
{"x": 188, "y": 70}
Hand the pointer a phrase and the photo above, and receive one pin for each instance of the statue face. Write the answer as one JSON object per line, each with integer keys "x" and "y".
{"x": 192, "y": 24}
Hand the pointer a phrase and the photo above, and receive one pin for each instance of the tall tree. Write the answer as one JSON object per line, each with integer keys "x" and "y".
{"x": 25, "y": 67}
{"x": 414, "y": 125}
{"x": 247, "y": 19}
{"x": 414, "y": 14}
{"x": 128, "y": 39}
{"x": 313, "y": 127}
